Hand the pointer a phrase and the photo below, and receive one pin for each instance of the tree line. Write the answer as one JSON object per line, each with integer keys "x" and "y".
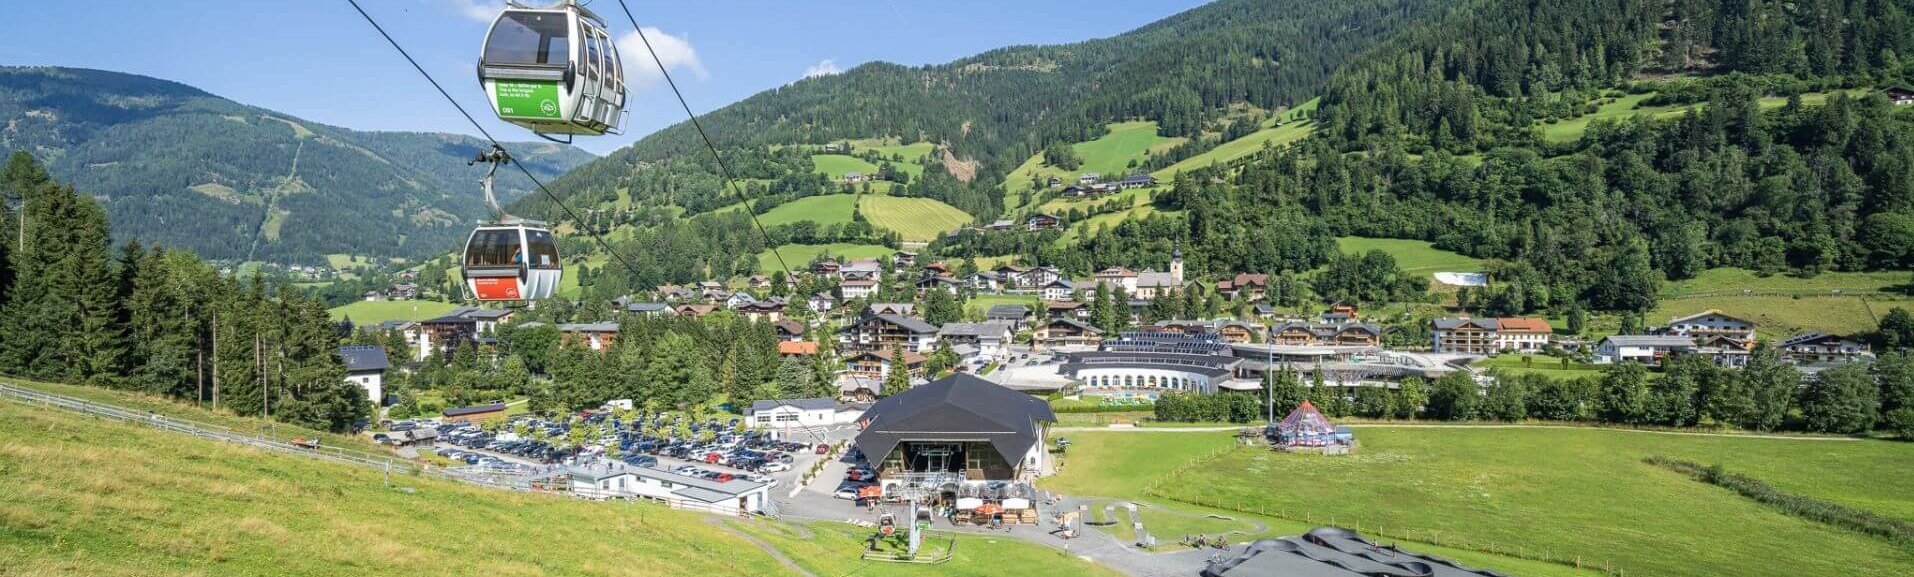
{"x": 1691, "y": 391}
{"x": 157, "y": 320}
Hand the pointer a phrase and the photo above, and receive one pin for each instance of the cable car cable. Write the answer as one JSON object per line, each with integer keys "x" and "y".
{"x": 488, "y": 136}
{"x": 728, "y": 178}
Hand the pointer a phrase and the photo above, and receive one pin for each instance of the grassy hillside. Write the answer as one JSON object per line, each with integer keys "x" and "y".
{"x": 85, "y": 497}
{"x": 1779, "y": 317}
{"x": 797, "y": 255}
{"x": 1735, "y": 279}
{"x": 1109, "y": 155}
{"x": 826, "y": 209}
{"x": 1414, "y": 256}
{"x": 1277, "y": 131}
{"x": 916, "y": 219}
{"x": 837, "y": 165}
{"x": 1625, "y": 106}
{"x": 1564, "y": 492}
{"x": 372, "y": 313}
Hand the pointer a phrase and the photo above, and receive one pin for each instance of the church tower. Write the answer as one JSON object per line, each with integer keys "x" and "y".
{"x": 1176, "y": 266}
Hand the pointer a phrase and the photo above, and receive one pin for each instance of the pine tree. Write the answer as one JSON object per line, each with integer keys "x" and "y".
{"x": 163, "y": 333}
{"x": 898, "y": 379}
{"x": 1286, "y": 388}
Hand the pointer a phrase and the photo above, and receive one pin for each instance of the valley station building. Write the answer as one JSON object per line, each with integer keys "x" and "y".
{"x": 954, "y": 433}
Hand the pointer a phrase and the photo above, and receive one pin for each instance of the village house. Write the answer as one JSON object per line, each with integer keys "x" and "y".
{"x": 1245, "y": 286}
{"x": 985, "y": 281}
{"x": 883, "y": 331}
{"x": 854, "y": 178}
{"x": 857, "y": 288}
{"x": 862, "y": 268}
{"x": 1014, "y": 315}
{"x": 1065, "y": 332}
{"x": 650, "y": 309}
{"x": 878, "y": 364}
{"x": 1089, "y": 178}
{"x": 1644, "y": 349}
{"x": 1059, "y": 290}
{"x": 1136, "y": 181}
{"x": 825, "y": 268}
{"x": 905, "y": 309}
{"x": 1823, "y": 349}
{"x": 1043, "y": 222}
{"x": 769, "y": 311}
{"x": 903, "y": 259}
{"x": 694, "y": 311}
{"x": 1116, "y": 277}
{"x": 366, "y": 366}
{"x": 474, "y": 414}
{"x": 1263, "y": 311}
{"x": 1066, "y": 309}
{"x": 1039, "y": 276}
{"x": 788, "y": 330}
{"x": 1490, "y": 336}
{"x": 1900, "y": 95}
{"x": 1712, "y": 323}
{"x": 462, "y": 326}
{"x": 1326, "y": 334}
{"x": 821, "y": 303}
{"x": 989, "y": 338}
{"x": 597, "y": 337}
{"x": 801, "y": 349}
{"x": 944, "y": 283}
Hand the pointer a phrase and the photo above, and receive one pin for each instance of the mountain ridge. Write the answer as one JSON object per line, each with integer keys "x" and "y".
{"x": 247, "y": 182}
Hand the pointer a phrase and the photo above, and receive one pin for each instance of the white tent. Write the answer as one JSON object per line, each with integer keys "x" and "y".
{"x": 968, "y": 503}
{"x": 1016, "y": 503}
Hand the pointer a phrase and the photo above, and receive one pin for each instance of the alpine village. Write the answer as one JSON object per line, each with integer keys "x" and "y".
{"x": 1244, "y": 288}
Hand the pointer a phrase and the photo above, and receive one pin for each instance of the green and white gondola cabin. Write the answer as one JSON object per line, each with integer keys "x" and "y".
{"x": 554, "y": 71}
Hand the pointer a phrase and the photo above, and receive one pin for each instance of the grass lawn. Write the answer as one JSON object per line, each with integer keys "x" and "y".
{"x": 86, "y": 497}
{"x": 1087, "y": 226}
{"x": 915, "y": 154}
{"x": 347, "y": 261}
{"x": 1123, "y": 465}
{"x": 1542, "y": 364}
{"x": 798, "y": 255}
{"x": 1414, "y": 256}
{"x": 1738, "y": 279}
{"x": 372, "y": 313}
{"x": 976, "y": 306}
{"x": 1780, "y": 317}
{"x": 825, "y": 209}
{"x": 916, "y": 219}
{"x": 836, "y": 165}
{"x": 1563, "y": 493}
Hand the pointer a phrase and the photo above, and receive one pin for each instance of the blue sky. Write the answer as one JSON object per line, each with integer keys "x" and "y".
{"x": 318, "y": 60}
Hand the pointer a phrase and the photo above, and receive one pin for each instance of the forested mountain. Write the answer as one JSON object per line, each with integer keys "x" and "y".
{"x": 1439, "y": 134}
{"x": 173, "y": 164}
{"x": 999, "y": 107}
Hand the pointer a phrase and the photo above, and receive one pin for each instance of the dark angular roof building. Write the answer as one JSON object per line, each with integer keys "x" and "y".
{"x": 961, "y": 412}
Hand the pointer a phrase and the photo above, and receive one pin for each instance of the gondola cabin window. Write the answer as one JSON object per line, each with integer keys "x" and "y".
{"x": 496, "y": 248}
{"x": 530, "y": 38}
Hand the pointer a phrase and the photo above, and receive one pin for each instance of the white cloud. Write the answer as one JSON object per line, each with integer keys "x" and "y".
{"x": 675, "y": 52}
{"x": 481, "y": 10}
{"x": 825, "y": 67}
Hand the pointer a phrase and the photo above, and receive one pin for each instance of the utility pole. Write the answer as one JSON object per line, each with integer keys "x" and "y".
{"x": 215, "y": 359}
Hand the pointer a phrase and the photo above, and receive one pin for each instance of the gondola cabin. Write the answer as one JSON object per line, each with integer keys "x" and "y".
{"x": 553, "y": 71}
{"x": 511, "y": 262}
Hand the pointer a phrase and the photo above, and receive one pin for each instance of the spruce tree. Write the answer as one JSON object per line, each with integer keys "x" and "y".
{"x": 1842, "y": 399}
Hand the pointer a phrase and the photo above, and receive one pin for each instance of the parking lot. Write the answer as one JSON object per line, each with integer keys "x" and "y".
{"x": 714, "y": 449}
